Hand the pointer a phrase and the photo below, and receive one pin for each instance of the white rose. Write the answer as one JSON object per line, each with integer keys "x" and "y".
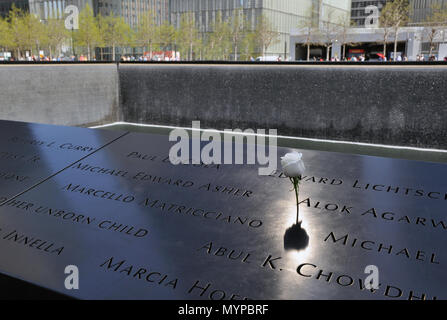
{"x": 292, "y": 164}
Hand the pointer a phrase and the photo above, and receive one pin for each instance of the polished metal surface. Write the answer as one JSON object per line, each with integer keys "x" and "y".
{"x": 137, "y": 226}
{"x": 31, "y": 152}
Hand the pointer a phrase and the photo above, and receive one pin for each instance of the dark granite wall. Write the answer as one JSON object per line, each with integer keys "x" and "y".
{"x": 397, "y": 105}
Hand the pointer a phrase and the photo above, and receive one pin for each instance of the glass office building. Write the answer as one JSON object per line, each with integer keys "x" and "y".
{"x": 130, "y": 10}
{"x": 284, "y": 15}
{"x": 359, "y": 11}
{"x": 419, "y": 10}
{"x": 54, "y": 9}
{"x": 6, "y": 5}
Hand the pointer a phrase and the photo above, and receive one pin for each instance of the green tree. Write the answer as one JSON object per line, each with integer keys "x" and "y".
{"x": 147, "y": 31}
{"x": 310, "y": 31}
{"x": 31, "y": 33}
{"x": 218, "y": 41}
{"x": 237, "y": 31}
{"x": 343, "y": 26}
{"x": 188, "y": 36}
{"x": 115, "y": 32}
{"x": 15, "y": 24}
{"x": 26, "y": 31}
{"x": 435, "y": 24}
{"x": 394, "y": 16}
{"x": 385, "y": 22}
{"x": 6, "y": 39}
{"x": 248, "y": 46}
{"x": 166, "y": 35}
{"x": 329, "y": 32}
{"x": 265, "y": 34}
{"x": 54, "y": 36}
{"x": 88, "y": 35}
{"x": 102, "y": 29}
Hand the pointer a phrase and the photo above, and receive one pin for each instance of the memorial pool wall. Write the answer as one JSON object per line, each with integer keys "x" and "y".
{"x": 385, "y": 104}
{"x": 63, "y": 94}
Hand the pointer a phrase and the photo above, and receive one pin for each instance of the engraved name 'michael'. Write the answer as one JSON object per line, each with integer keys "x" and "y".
{"x": 101, "y": 170}
{"x": 97, "y": 193}
{"x": 370, "y": 245}
{"x": 35, "y": 243}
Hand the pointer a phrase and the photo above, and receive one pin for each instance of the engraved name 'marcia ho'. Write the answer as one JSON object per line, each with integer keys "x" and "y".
{"x": 155, "y": 277}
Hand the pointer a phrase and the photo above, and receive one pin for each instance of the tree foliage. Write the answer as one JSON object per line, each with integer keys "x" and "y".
{"x": 88, "y": 35}
{"x": 394, "y": 16}
{"x": 231, "y": 38}
{"x": 265, "y": 35}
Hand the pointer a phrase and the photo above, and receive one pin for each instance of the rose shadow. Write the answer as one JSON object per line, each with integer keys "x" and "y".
{"x": 296, "y": 238}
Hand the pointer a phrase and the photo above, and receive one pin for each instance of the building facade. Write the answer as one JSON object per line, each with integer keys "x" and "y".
{"x": 6, "y": 5}
{"x": 54, "y": 9}
{"x": 411, "y": 42}
{"x": 131, "y": 10}
{"x": 419, "y": 10}
{"x": 284, "y": 15}
{"x": 360, "y": 11}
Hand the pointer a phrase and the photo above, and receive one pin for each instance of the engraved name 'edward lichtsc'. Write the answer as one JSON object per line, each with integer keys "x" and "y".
{"x": 418, "y": 193}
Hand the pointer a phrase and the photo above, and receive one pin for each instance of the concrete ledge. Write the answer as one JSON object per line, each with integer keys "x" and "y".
{"x": 59, "y": 94}
{"x": 397, "y": 105}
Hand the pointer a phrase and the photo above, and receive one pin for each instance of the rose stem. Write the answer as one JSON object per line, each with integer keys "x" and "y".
{"x": 296, "y": 186}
